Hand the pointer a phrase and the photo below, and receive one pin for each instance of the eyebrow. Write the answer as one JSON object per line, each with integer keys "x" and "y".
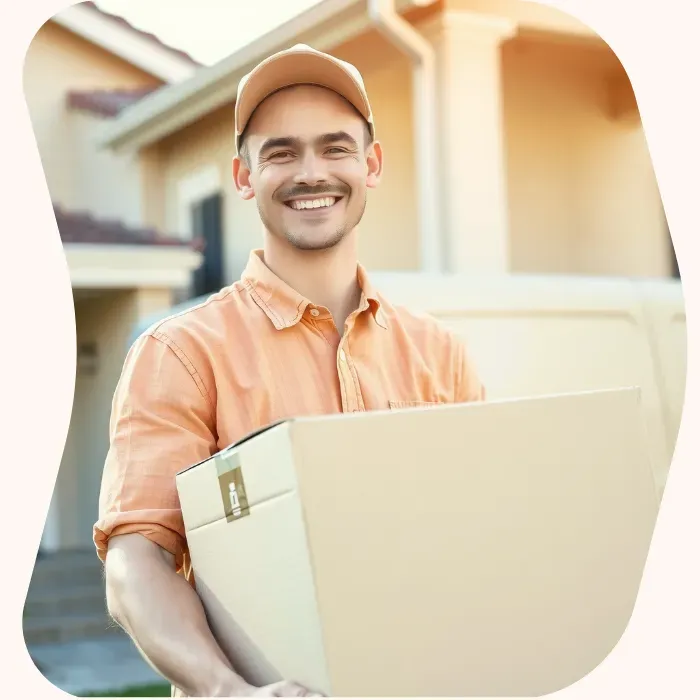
{"x": 295, "y": 142}
{"x": 335, "y": 137}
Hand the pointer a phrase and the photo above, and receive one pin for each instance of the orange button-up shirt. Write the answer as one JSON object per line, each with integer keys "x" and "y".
{"x": 255, "y": 353}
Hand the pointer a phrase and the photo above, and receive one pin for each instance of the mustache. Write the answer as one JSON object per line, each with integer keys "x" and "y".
{"x": 308, "y": 191}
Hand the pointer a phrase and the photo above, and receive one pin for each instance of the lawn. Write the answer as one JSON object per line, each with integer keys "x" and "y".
{"x": 155, "y": 690}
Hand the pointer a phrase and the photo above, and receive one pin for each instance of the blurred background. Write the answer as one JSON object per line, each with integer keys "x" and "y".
{"x": 519, "y": 204}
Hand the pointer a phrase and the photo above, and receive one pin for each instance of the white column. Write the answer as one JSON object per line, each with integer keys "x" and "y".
{"x": 472, "y": 156}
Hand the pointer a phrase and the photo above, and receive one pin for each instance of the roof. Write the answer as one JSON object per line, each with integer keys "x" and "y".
{"x": 119, "y": 37}
{"x": 324, "y": 26}
{"x": 146, "y": 35}
{"x": 107, "y": 103}
{"x": 84, "y": 227}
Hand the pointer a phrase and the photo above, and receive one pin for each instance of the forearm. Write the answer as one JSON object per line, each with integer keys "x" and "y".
{"x": 164, "y": 616}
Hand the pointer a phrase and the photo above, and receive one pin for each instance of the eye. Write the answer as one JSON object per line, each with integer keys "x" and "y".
{"x": 280, "y": 154}
{"x": 336, "y": 150}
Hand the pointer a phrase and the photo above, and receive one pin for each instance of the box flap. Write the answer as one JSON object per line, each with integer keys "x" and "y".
{"x": 236, "y": 444}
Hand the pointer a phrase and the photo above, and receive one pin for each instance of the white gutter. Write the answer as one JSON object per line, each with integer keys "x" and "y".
{"x": 402, "y": 34}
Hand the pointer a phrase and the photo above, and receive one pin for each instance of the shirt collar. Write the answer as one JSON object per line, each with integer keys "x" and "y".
{"x": 284, "y": 306}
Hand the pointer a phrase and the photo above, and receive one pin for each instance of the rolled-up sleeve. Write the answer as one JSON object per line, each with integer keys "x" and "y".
{"x": 162, "y": 422}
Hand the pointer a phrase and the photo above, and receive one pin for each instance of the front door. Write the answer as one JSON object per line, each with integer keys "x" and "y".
{"x": 207, "y": 225}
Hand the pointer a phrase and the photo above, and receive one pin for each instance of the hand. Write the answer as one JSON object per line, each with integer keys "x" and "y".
{"x": 283, "y": 689}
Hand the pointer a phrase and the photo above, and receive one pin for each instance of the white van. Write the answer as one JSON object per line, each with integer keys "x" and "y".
{"x": 544, "y": 334}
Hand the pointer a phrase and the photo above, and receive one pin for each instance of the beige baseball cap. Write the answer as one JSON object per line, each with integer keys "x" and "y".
{"x": 299, "y": 65}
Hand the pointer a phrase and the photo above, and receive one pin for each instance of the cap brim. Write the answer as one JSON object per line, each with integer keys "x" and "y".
{"x": 298, "y": 68}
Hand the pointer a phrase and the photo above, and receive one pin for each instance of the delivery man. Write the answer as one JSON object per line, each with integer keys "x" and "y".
{"x": 302, "y": 332}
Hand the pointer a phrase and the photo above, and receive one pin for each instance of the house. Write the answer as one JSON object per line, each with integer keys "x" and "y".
{"x": 512, "y": 140}
{"x": 526, "y": 154}
{"x": 83, "y": 67}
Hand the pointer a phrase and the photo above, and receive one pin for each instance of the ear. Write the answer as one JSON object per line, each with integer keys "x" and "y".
{"x": 241, "y": 178}
{"x": 375, "y": 164}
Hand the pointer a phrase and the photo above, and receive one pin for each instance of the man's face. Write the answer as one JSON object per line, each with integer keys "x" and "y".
{"x": 309, "y": 166}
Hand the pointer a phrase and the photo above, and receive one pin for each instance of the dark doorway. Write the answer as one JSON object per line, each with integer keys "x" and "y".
{"x": 207, "y": 225}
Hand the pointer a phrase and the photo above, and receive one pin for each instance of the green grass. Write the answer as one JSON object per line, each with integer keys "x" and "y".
{"x": 155, "y": 690}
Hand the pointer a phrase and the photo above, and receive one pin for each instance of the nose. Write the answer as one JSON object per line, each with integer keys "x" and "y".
{"x": 312, "y": 170}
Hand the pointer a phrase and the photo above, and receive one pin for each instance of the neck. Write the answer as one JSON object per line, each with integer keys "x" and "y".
{"x": 325, "y": 277}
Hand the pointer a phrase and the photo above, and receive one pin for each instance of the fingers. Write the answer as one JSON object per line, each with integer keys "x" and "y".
{"x": 290, "y": 689}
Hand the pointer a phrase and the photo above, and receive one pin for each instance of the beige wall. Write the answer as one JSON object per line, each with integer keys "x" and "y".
{"x": 153, "y": 190}
{"x": 389, "y": 230}
{"x": 79, "y": 176}
{"x": 109, "y": 184}
{"x": 107, "y": 319}
{"x": 622, "y": 229}
{"x": 582, "y": 191}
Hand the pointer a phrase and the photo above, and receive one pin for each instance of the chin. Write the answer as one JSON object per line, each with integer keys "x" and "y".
{"x": 315, "y": 241}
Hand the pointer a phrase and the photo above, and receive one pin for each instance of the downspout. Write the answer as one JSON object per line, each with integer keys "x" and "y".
{"x": 404, "y": 36}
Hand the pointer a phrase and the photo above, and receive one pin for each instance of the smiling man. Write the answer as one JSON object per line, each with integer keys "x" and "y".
{"x": 305, "y": 137}
{"x": 302, "y": 332}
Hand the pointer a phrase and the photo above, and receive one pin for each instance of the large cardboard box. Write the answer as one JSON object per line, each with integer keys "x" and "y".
{"x": 478, "y": 549}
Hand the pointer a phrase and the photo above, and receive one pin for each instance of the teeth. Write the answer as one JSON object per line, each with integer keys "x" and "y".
{"x": 313, "y": 204}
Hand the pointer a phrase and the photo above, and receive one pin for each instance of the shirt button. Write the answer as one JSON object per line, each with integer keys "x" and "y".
{"x": 342, "y": 355}
{"x": 315, "y": 312}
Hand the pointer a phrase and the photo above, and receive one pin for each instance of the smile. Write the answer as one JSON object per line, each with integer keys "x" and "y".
{"x": 322, "y": 203}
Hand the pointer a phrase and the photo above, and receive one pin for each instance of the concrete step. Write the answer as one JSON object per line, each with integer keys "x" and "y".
{"x": 66, "y": 628}
{"x": 71, "y": 567}
{"x": 47, "y": 601}
{"x": 44, "y": 581}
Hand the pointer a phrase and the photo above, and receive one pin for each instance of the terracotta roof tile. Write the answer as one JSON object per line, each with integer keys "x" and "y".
{"x": 84, "y": 227}
{"x": 108, "y": 103}
{"x": 147, "y": 35}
